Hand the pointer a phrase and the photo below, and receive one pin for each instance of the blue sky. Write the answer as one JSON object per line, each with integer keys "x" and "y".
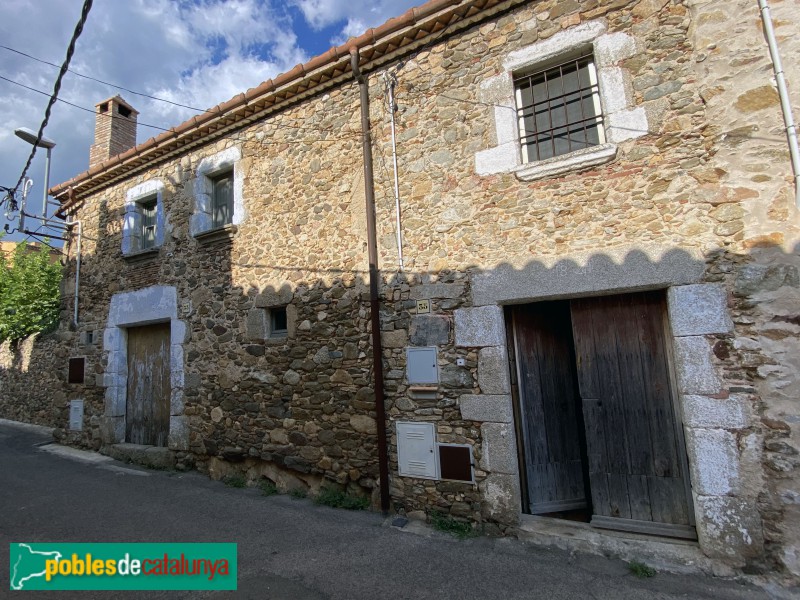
{"x": 192, "y": 52}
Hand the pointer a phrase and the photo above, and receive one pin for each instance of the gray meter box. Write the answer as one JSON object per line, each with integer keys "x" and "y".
{"x": 421, "y": 367}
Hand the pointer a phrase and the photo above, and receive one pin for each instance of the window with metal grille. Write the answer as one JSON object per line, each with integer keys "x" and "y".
{"x": 222, "y": 199}
{"x": 148, "y": 211}
{"x": 559, "y": 110}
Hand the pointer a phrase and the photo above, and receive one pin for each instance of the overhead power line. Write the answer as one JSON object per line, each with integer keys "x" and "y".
{"x": 87, "y": 6}
{"x": 347, "y": 133}
{"x": 114, "y": 85}
{"x": 89, "y": 110}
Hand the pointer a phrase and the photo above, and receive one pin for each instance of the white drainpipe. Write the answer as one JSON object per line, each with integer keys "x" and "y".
{"x": 783, "y": 92}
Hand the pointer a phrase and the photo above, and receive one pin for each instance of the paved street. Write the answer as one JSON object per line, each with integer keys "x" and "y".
{"x": 291, "y": 548}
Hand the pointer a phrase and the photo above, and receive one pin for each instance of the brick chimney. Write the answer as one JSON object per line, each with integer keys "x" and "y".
{"x": 114, "y": 129}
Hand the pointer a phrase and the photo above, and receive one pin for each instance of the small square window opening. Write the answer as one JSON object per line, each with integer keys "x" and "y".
{"x": 148, "y": 210}
{"x": 222, "y": 199}
{"x": 77, "y": 367}
{"x": 278, "y": 323}
{"x": 559, "y": 110}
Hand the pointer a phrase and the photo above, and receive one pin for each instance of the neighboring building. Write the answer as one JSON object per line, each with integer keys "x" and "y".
{"x": 8, "y": 248}
{"x": 599, "y": 304}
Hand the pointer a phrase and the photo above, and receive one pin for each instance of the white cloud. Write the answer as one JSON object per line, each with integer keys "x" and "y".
{"x": 358, "y": 15}
{"x": 193, "y": 52}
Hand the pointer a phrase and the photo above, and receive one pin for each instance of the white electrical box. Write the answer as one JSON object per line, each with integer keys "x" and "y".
{"x": 421, "y": 366}
{"x": 416, "y": 450}
{"x": 76, "y": 415}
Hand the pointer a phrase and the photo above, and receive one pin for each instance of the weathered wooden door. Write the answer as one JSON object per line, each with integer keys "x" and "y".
{"x": 550, "y": 407}
{"x": 637, "y": 463}
{"x": 148, "y": 402}
{"x": 597, "y": 417}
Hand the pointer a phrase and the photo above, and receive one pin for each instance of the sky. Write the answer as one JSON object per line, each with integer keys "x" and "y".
{"x": 196, "y": 53}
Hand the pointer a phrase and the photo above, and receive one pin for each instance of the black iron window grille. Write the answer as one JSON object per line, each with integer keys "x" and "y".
{"x": 149, "y": 223}
{"x": 559, "y": 110}
{"x": 222, "y": 199}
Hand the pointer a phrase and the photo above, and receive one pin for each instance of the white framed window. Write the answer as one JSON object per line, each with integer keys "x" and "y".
{"x": 558, "y": 109}
{"x": 143, "y": 222}
{"x": 221, "y": 199}
{"x": 149, "y": 212}
{"x": 218, "y": 201}
{"x": 562, "y": 104}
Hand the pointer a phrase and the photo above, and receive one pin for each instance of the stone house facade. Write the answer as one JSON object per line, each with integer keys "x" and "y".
{"x": 597, "y": 311}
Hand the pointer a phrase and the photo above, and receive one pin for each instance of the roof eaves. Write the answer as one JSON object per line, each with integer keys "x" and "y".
{"x": 272, "y": 93}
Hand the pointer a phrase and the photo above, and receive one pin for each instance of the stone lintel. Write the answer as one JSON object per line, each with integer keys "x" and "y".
{"x": 627, "y": 268}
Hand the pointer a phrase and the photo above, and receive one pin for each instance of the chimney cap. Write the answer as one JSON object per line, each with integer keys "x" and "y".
{"x": 117, "y": 100}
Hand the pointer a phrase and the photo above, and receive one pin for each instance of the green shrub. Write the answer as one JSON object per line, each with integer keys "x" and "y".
{"x": 268, "y": 488}
{"x": 337, "y": 499}
{"x": 235, "y": 481}
{"x": 448, "y": 524}
{"x": 641, "y": 570}
{"x": 30, "y": 300}
{"x": 298, "y": 492}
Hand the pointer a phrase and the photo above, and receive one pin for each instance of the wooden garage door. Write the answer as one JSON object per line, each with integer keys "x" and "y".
{"x": 637, "y": 465}
{"x": 148, "y": 402}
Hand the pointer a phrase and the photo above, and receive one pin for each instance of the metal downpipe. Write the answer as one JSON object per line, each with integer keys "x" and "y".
{"x": 377, "y": 346}
{"x": 783, "y": 92}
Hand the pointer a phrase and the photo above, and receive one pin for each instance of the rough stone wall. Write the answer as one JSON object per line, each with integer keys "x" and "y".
{"x": 750, "y": 176}
{"x": 705, "y": 194}
{"x": 708, "y": 182}
{"x": 25, "y": 362}
{"x": 301, "y": 402}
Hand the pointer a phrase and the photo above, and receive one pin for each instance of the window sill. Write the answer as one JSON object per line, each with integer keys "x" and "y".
{"x": 565, "y": 163}
{"x": 218, "y": 234}
{"x": 141, "y": 256}
{"x": 423, "y": 392}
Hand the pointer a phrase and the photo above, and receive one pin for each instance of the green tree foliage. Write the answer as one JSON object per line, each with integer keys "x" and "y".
{"x": 29, "y": 292}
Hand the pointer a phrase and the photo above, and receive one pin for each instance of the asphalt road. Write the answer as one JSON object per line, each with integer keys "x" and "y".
{"x": 290, "y": 548}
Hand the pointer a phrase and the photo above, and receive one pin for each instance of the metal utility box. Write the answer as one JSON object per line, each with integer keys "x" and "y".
{"x": 416, "y": 450}
{"x": 421, "y": 367}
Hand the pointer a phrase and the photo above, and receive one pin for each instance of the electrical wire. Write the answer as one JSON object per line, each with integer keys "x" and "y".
{"x": 87, "y": 6}
{"x": 89, "y": 110}
{"x": 349, "y": 133}
{"x": 114, "y": 85}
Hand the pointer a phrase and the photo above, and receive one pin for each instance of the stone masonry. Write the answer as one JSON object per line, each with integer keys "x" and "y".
{"x": 696, "y": 201}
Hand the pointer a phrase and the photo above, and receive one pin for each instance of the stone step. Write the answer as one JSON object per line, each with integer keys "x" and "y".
{"x": 153, "y": 457}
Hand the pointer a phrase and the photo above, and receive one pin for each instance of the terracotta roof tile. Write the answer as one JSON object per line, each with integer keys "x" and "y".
{"x": 373, "y": 43}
